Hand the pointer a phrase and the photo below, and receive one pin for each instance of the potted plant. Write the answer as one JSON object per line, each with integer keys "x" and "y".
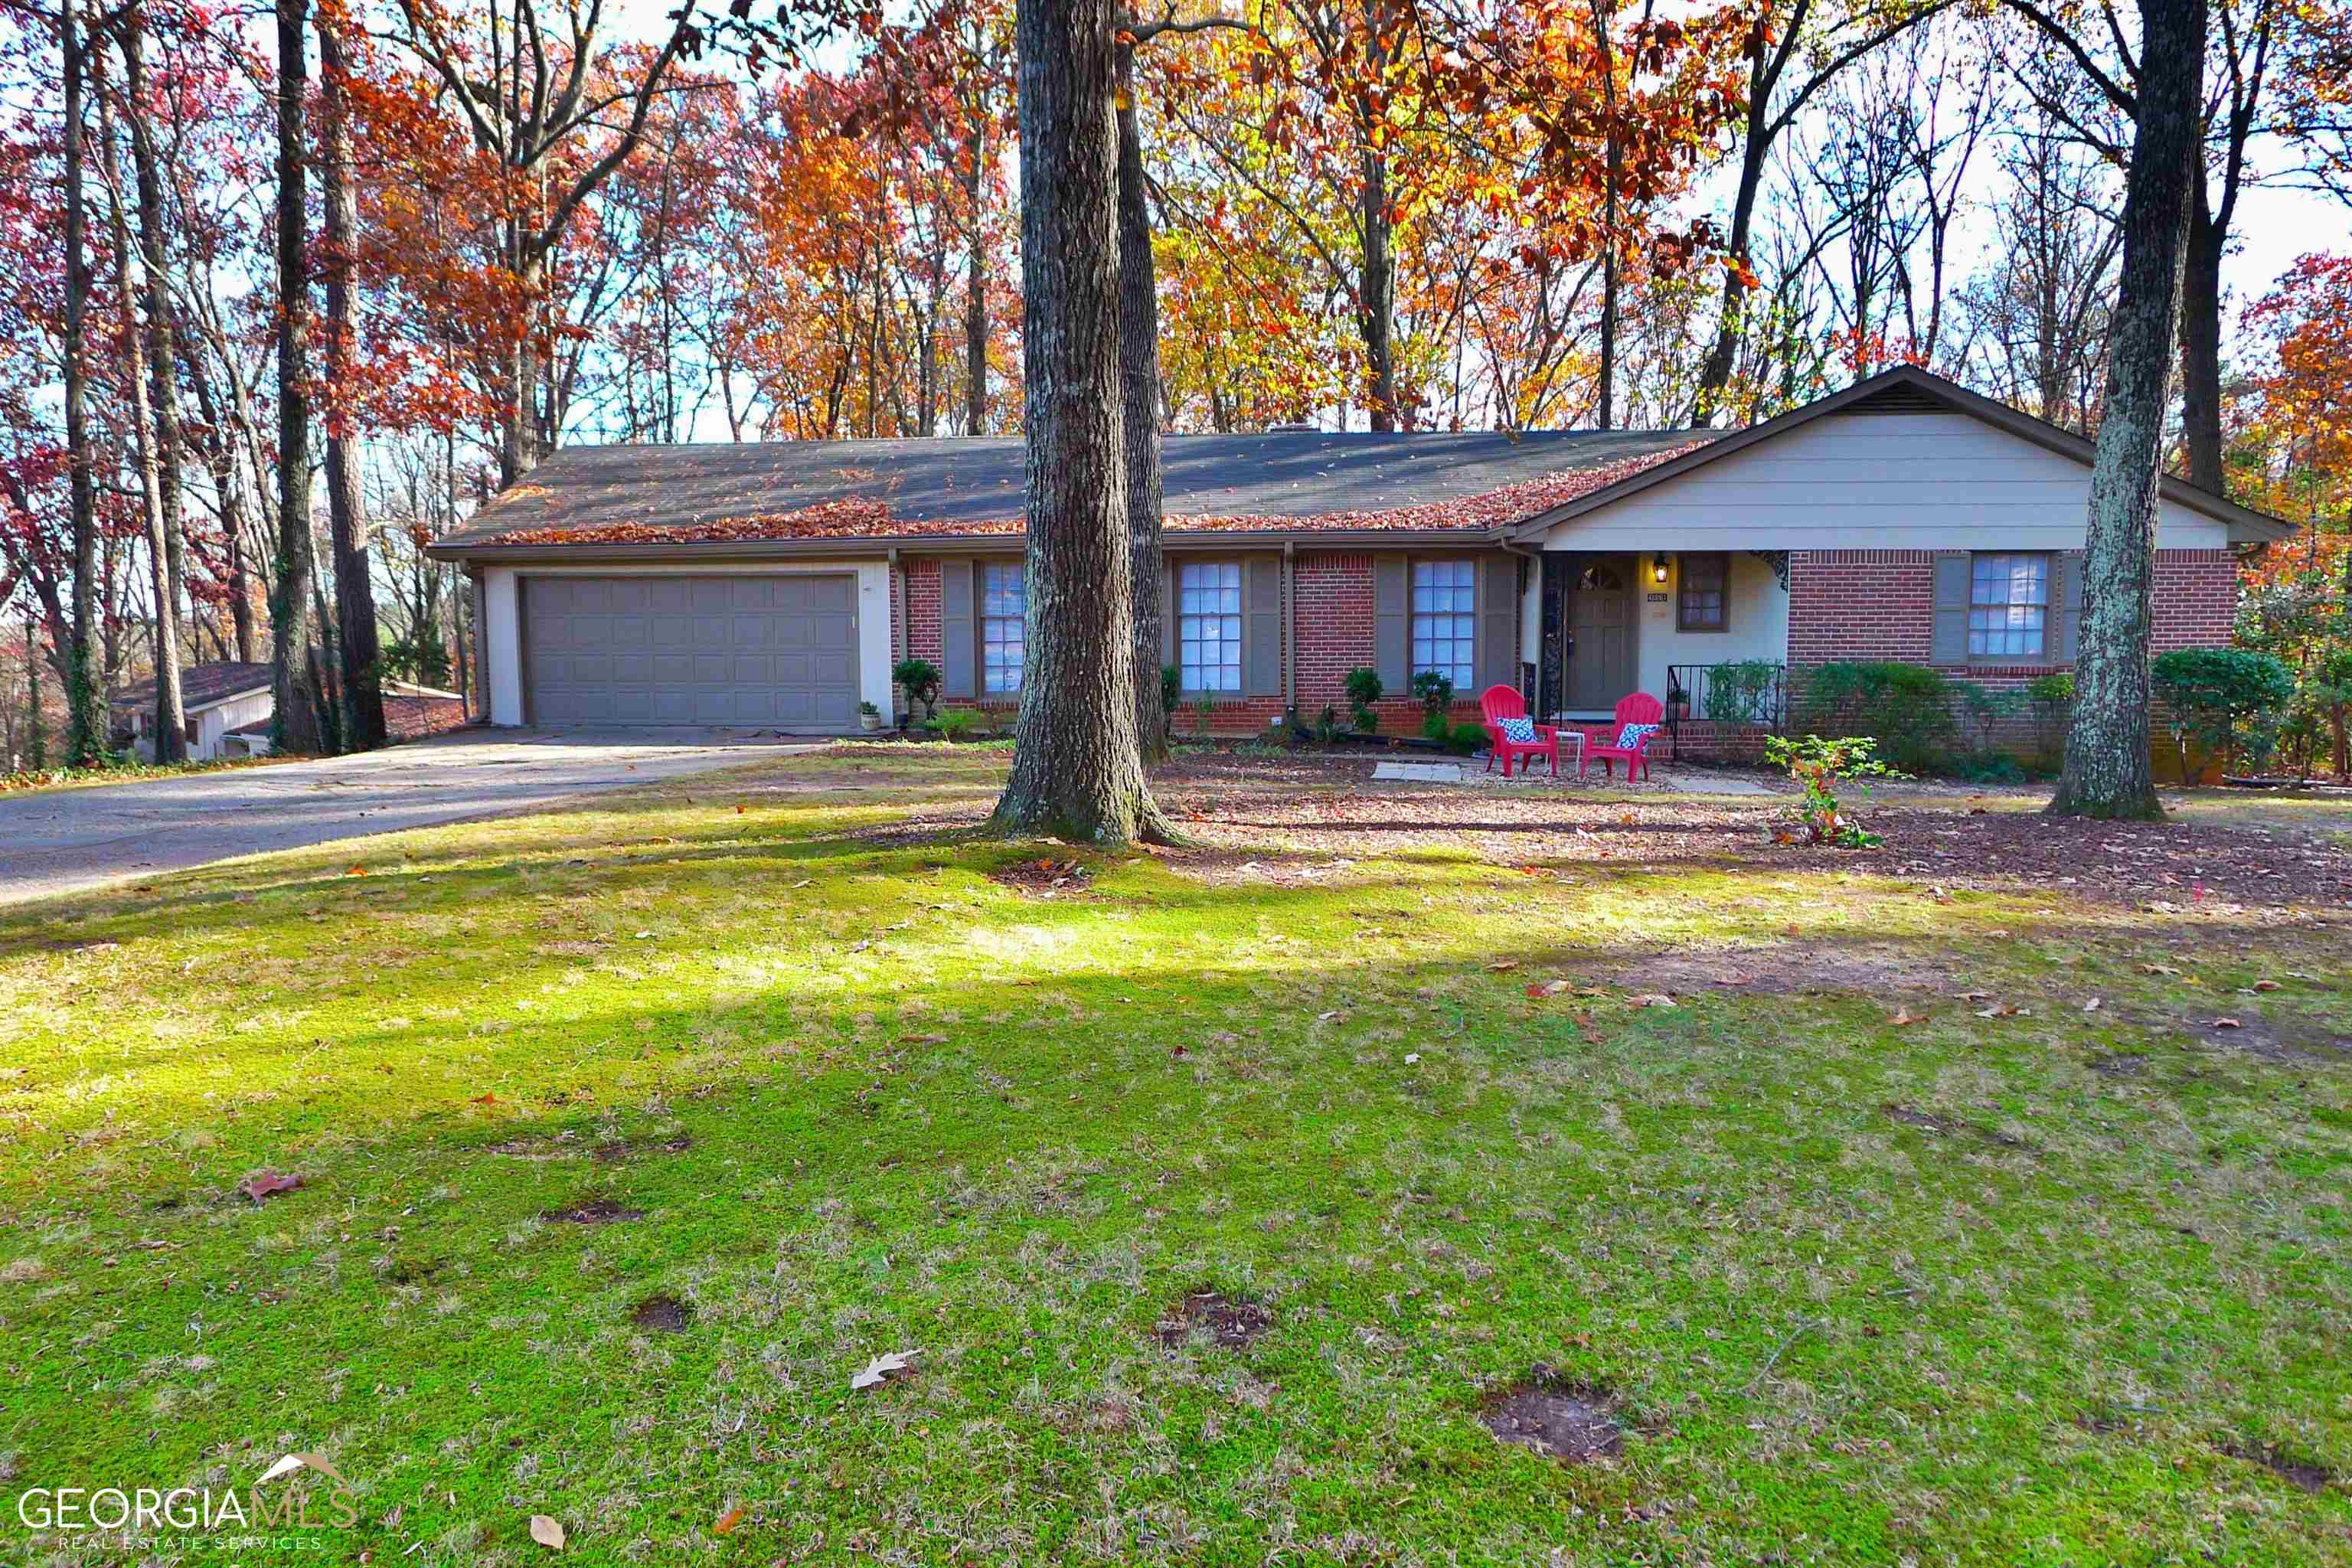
{"x": 869, "y": 716}
{"x": 919, "y": 679}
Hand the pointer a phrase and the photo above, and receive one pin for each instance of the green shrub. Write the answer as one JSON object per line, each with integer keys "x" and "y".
{"x": 1820, "y": 766}
{"x": 1741, "y": 692}
{"x": 1171, "y": 689}
{"x": 1905, "y": 708}
{"x": 1466, "y": 740}
{"x": 2224, "y": 702}
{"x": 956, "y": 724}
{"x": 1364, "y": 688}
{"x": 1326, "y": 724}
{"x": 919, "y": 679}
{"x": 1435, "y": 691}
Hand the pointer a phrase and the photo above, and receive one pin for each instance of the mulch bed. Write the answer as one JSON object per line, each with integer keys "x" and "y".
{"x": 1257, "y": 811}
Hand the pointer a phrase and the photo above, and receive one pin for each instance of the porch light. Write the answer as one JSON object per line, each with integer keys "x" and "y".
{"x": 1658, "y": 568}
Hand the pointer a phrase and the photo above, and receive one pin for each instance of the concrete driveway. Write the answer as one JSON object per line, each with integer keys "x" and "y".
{"x": 60, "y": 841}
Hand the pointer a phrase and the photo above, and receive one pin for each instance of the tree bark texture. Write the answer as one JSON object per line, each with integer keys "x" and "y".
{"x": 355, "y": 629}
{"x": 975, "y": 294}
{"x": 294, "y": 677}
{"x": 2106, "y": 772}
{"x": 1138, "y": 344}
{"x": 1078, "y": 772}
{"x": 85, "y": 688}
{"x": 2200, "y": 344}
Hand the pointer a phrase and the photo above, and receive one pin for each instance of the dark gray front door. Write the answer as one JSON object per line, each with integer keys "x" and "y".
{"x": 769, "y": 652}
{"x": 1601, "y": 622}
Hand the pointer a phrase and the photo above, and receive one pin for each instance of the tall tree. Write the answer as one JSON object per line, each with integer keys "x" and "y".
{"x": 85, "y": 688}
{"x": 295, "y": 678}
{"x": 168, "y": 533}
{"x": 171, "y": 740}
{"x": 1077, "y": 770}
{"x": 2107, "y": 768}
{"x": 1139, "y": 350}
{"x": 356, "y": 647}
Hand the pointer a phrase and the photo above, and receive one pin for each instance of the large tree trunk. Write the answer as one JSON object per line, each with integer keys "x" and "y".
{"x": 295, "y": 676}
{"x": 1078, "y": 772}
{"x": 2200, "y": 341}
{"x": 1611, "y": 171}
{"x": 163, "y": 380}
{"x": 2106, "y": 773}
{"x": 1139, "y": 354}
{"x": 169, "y": 720}
{"x": 355, "y": 631}
{"x": 85, "y": 687}
{"x": 1375, "y": 310}
{"x": 1716, "y": 373}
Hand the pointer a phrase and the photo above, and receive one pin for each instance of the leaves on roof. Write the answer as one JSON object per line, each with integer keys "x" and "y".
{"x": 869, "y": 518}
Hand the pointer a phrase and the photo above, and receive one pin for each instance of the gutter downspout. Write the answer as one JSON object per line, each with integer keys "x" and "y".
{"x": 901, "y": 633}
{"x": 1530, "y": 576}
{"x": 1290, "y": 635}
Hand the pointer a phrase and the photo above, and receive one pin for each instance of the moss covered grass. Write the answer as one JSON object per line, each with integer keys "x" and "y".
{"x": 2053, "y": 1286}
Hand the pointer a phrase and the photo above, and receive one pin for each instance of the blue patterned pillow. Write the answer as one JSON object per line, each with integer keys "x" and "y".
{"x": 1522, "y": 730}
{"x": 1631, "y": 735}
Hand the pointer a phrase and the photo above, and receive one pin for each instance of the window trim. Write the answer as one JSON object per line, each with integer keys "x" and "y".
{"x": 980, "y": 619}
{"x": 1412, "y": 666}
{"x": 1723, "y": 587}
{"x": 1174, "y": 635}
{"x": 2053, "y": 592}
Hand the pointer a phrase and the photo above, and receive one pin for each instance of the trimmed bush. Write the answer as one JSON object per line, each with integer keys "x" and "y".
{"x": 1908, "y": 707}
{"x": 2224, "y": 702}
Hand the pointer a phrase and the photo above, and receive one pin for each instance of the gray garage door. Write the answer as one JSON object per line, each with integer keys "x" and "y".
{"x": 774, "y": 652}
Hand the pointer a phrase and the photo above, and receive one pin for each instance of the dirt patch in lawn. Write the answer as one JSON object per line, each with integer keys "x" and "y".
{"x": 1044, "y": 877}
{"x": 1568, "y": 1421}
{"x": 1791, "y": 969}
{"x": 623, "y": 1149}
{"x": 662, "y": 1314}
{"x": 2303, "y": 1474}
{"x": 1228, "y": 1323}
{"x": 594, "y": 1211}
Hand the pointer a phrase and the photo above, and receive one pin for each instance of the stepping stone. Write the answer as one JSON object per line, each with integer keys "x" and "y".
{"x": 1419, "y": 772}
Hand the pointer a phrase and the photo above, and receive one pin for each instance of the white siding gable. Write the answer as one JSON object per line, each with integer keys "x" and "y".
{"x": 1872, "y": 481}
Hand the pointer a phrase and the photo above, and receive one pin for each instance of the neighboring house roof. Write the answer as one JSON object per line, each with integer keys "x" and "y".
{"x": 819, "y": 492}
{"x": 1905, "y": 388}
{"x": 201, "y": 686}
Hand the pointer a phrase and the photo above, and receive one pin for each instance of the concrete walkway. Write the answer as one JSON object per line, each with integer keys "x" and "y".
{"x": 57, "y": 841}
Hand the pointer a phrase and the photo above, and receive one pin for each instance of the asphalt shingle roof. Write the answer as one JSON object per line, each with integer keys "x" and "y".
{"x": 200, "y": 685}
{"x": 965, "y": 486}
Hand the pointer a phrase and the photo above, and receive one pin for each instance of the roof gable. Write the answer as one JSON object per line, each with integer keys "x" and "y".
{"x": 1906, "y": 389}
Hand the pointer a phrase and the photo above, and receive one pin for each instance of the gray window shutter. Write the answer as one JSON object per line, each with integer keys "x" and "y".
{"x": 2068, "y": 633}
{"x": 1262, "y": 626}
{"x": 1951, "y": 609}
{"x": 958, "y": 641}
{"x": 1498, "y": 623}
{"x": 1392, "y": 624}
{"x": 1168, "y": 571}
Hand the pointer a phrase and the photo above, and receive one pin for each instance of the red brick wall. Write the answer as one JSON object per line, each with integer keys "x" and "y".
{"x": 1333, "y": 634}
{"x": 1881, "y": 604}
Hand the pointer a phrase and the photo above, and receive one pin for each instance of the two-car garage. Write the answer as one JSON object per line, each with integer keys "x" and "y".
{"x": 762, "y": 649}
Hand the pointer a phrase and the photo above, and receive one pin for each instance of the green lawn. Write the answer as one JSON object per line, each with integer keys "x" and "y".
{"x": 2051, "y": 1287}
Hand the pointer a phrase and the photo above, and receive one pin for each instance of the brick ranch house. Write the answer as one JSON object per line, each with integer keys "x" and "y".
{"x": 773, "y": 584}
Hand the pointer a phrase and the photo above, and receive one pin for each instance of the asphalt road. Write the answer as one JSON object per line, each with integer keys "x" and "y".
{"x": 60, "y": 841}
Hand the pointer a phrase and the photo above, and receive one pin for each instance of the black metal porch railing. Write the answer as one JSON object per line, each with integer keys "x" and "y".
{"x": 1746, "y": 692}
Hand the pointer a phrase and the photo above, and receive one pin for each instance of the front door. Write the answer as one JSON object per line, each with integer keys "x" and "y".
{"x": 1600, "y": 629}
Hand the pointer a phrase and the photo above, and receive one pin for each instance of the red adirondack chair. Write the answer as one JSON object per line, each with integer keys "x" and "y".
{"x": 1601, "y": 740}
{"x": 1500, "y": 702}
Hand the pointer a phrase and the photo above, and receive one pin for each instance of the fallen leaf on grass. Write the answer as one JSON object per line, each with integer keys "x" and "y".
{"x": 486, "y": 1098}
{"x": 1999, "y": 1010}
{"x": 803, "y": 882}
{"x": 1735, "y": 980}
{"x": 1903, "y": 1018}
{"x": 356, "y": 871}
{"x": 2228, "y": 1024}
{"x": 1976, "y": 995}
{"x": 2092, "y": 1006}
{"x": 2266, "y": 984}
{"x": 1326, "y": 1018}
{"x": 727, "y": 1521}
{"x": 2157, "y": 969}
{"x": 1412, "y": 1058}
{"x": 882, "y": 1369}
{"x": 267, "y": 1184}
{"x": 1543, "y": 988}
{"x": 1652, "y": 999}
{"x": 547, "y": 1531}
{"x": 1500, "y": 964}
{"x": 1940, "y": 896}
